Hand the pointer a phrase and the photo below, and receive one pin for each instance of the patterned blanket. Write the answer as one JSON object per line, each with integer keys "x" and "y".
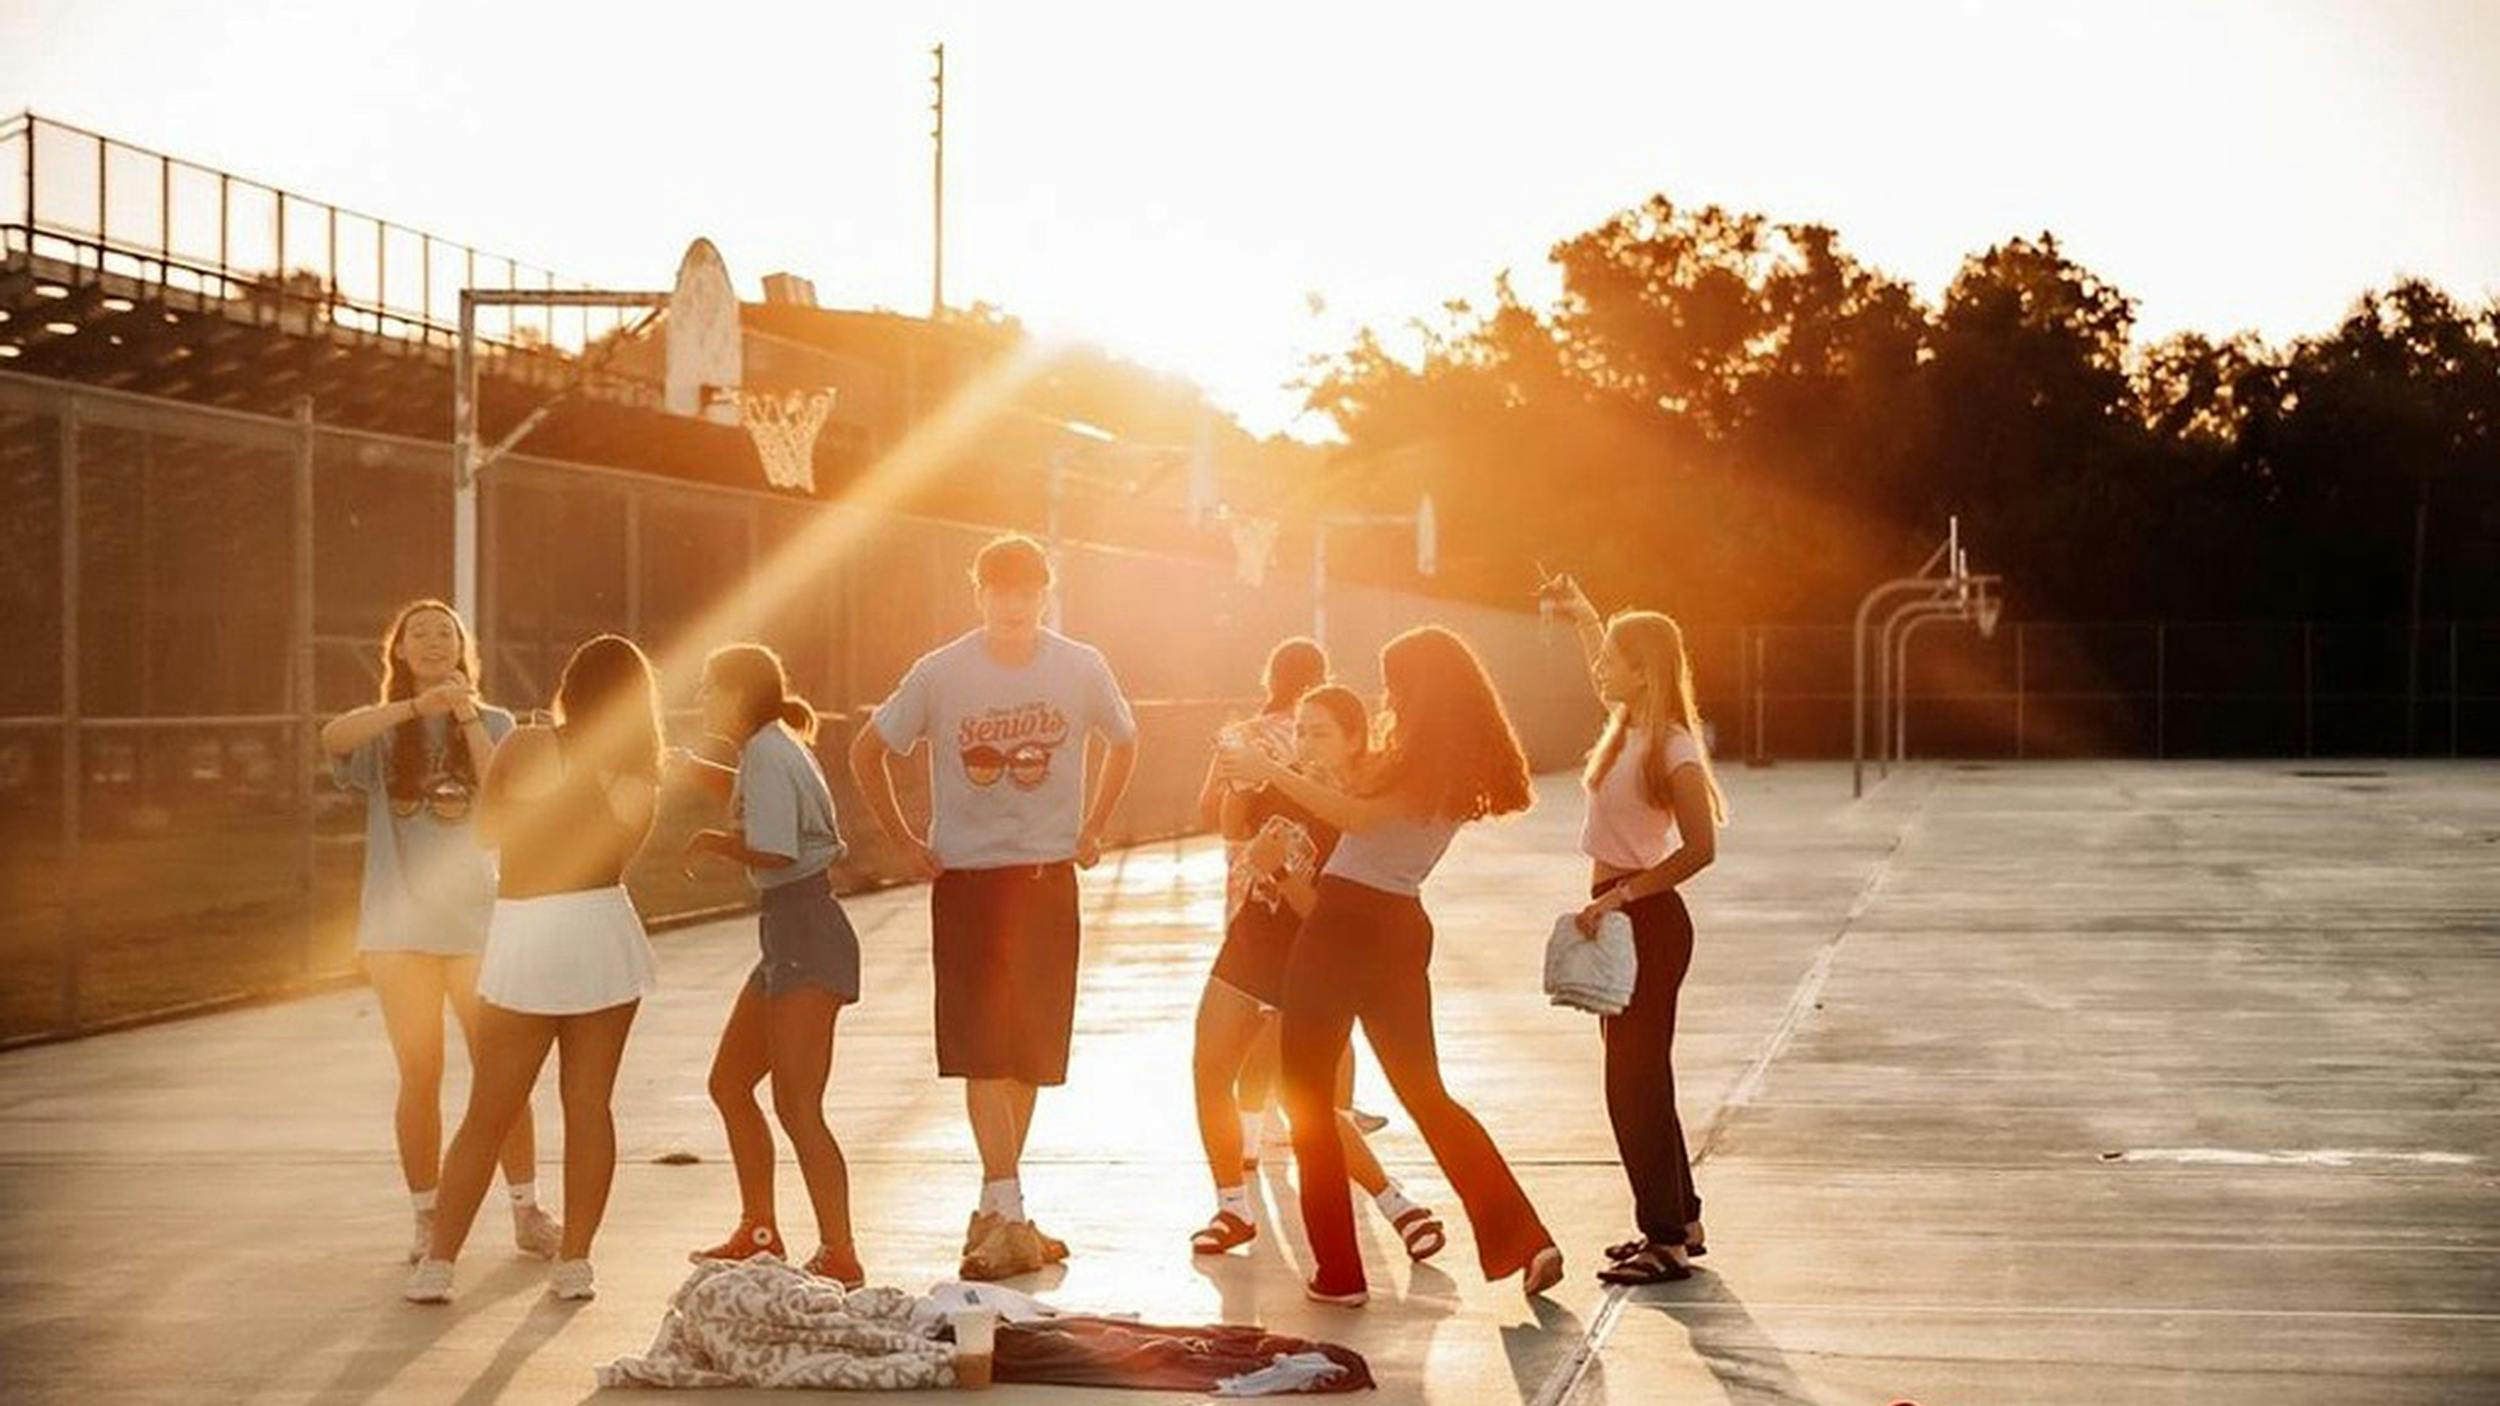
{"x": 765, "y": 1323}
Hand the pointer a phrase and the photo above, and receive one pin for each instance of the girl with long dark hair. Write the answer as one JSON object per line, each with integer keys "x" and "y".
{"x": 1279, "y": 869}
{"x": 1449, "y": 757}
{"x": 567, "y": 963}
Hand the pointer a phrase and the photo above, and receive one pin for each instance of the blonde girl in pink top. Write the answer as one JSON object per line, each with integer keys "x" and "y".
{"x": 1654, "y": 812}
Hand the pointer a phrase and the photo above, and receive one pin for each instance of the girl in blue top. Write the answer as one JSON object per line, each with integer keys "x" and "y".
{"x": 429, "y": 886}
{"x": 782, "y": 1022}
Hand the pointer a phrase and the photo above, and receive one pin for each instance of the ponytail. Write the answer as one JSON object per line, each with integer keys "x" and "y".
{"x": 754, "y": 673}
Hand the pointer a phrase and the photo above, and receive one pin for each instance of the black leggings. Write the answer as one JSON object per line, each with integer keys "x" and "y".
{"x": 1363, "y": 954}
{"x": 1640, "y": 1070}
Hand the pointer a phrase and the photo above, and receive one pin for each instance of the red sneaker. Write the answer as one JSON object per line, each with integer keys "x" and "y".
{"x": 840, "y": 1266}
{"x": 750, "y": 1241}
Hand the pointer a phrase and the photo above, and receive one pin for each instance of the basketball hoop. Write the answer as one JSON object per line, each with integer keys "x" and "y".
{"x": 1254, "y": 545}
{"x": 784, "y": 426}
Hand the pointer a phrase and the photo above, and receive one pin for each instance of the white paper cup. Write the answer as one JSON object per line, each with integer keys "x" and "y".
{"x": 976, "y": 1338}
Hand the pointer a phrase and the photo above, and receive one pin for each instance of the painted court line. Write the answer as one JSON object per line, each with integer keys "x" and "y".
{"x": 1564, "y": 1381}
{"x": 1674, "y": 1307}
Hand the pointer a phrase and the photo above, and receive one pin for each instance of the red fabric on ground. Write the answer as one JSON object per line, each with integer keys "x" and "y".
{"x": 1111, "y": 1352}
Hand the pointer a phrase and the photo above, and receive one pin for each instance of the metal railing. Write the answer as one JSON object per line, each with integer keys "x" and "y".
{"x": 83, "y": 206}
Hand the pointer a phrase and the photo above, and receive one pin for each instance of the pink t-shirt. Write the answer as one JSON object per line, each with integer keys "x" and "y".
{"x": 1623, "y": 830}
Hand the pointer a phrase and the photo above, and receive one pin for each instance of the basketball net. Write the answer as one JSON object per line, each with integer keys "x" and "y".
{"x": 1254, "y": 545}
{"x": 784, "y": 426}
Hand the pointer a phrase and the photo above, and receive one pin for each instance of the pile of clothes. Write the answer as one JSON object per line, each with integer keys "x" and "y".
{"x": 1593, "y": 974}
{"x": 762, "y": 1322}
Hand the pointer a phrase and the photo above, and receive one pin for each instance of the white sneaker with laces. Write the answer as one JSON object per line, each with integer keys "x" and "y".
{"x": 429, "y": 1282}
{"x": 536, "y": 1233}
{"x": 571, "y": 1279}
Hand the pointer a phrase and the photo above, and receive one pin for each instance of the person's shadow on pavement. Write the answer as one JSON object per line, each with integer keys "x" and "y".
{"x": 1749, "y": 1365}
{"x": 403, "y": 1332}
{"x": 1536, "y": 1349}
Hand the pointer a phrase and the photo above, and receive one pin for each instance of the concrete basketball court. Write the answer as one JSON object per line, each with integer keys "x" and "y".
{"x": 2046, "y": 1083}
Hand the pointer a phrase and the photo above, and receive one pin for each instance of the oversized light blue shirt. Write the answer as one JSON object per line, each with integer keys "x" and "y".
{"x": 1007, "y": 746}
{"x": 785, "y": 807}
{"x": 429, "y": 886}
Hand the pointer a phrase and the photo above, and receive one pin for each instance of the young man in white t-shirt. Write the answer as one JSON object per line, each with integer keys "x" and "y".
{"x": 1006, "y": 710}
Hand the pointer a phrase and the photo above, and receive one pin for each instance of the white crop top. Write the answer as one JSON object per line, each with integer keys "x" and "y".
{"x": 1623, "y": 830}
{"x": 1394, "y": 856}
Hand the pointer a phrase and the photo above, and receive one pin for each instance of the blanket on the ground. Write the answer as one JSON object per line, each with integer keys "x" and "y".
{"x": 763, "y": 1322}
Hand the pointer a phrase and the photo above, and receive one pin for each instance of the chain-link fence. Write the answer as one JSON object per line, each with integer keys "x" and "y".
{"x": 191, "y": 592}
{"x": 2049, "y": 689}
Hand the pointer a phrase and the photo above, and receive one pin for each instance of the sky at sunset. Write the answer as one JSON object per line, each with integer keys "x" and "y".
{"x": 1226, "y": 190}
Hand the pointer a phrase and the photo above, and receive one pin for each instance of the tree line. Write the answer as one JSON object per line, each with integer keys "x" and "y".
{"x": 1737, "y": 418}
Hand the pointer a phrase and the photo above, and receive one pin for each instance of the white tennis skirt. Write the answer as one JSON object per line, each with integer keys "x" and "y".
{"x": 567, "y": 953}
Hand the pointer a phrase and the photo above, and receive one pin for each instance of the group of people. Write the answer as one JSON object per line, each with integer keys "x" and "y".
{"x": 495, "y": 855}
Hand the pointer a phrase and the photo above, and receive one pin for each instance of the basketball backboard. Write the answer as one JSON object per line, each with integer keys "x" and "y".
{"x": 705, "y": 350}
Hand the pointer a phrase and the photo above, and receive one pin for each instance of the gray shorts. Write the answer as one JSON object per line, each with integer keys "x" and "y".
{"x": 807, "y": 941}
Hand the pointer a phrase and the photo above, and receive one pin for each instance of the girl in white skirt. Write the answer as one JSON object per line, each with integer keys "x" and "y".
{"x": 566, "y": 963}
{"x": 416, "y": 756}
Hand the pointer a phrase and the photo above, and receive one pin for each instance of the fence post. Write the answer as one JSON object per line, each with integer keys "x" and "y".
{"x": 73, "y": 752}
{"x": 2021, "y": 696}
{"x": 746, "y": 597}
{"x": 1761, "y": 676}
{"x": 633, "y": 563}
{"x": 2308, "y": 690}
{"x": 2161, "y": 689}
{"x": 307, "y": 744}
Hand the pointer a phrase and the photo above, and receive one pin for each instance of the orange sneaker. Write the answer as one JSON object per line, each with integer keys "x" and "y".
{"x": 750, "y": 1241}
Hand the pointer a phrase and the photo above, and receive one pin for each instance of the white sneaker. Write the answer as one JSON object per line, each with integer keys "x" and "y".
{"x": 424, "y": 1243}
{"x": 429, "y": 1282}
{"x": 571, "y": 1279}
{"x": 536, "y": 1233}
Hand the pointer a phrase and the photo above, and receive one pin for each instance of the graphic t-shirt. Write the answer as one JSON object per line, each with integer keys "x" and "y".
{"x": 1007, "y": 746}
{"x": 428, "y": 886}
{"x": 785, "y": 807}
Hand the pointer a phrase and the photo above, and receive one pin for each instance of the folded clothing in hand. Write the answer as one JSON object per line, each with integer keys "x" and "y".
{"x": 1593, "y": 974}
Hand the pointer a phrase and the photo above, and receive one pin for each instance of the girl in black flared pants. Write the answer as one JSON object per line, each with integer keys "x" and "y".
{"x": 1364, "y": 953}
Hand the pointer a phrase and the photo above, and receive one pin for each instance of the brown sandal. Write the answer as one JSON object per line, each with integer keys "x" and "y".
{"x": 1651, "y": 1264}
{"x": 1224, "y": 1232}
{"x": 1423, "y": 1233}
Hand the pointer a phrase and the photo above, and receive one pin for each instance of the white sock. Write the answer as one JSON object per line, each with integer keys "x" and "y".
{"x": 1393, "y": 1203}
{"x": 1003, "y": 1198}
{"x": 524, "y": 1195}
{"x": 1235, "y": 1201}
{"x": 423, "y": 1201}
